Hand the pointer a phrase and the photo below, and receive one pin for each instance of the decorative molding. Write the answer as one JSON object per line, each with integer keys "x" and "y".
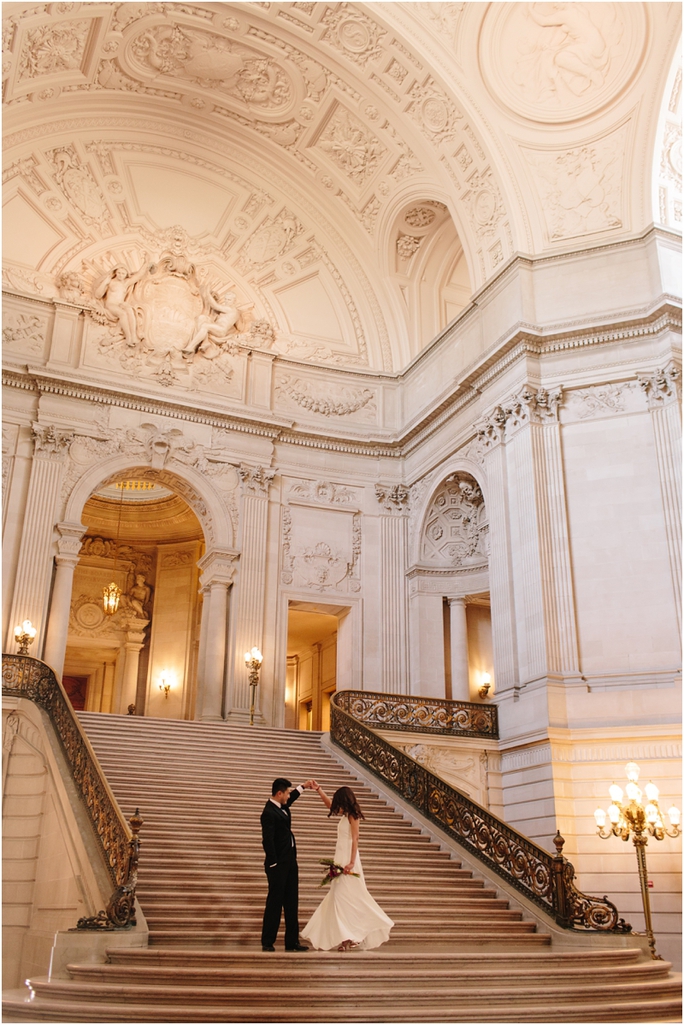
{"x": 529, "y": 405}
{"x": 349, "y": 31}
{"x": 50, "y": 441}
{"x": 598, "y": 400}
{"x": 392, "y": 497}
{"x": 25, "y": 330}
{"x": 662, "y": 386}
{"x": 320, "y": 567}
{"x": 456, "y": 528}
{"x": 323, "y": 491}
{"x": 255, "y": 479}
{"x": 342, "y": 400}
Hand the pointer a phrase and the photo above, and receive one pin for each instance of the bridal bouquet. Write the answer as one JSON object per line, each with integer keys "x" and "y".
{"x": 333, "y": 871}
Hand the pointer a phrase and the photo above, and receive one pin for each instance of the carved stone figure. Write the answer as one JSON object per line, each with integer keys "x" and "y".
{"x": 575, "y": 52}
{"x": 139, "y": 596}
{"x": 213, "y": 328}
{"x": 114, "y": 289}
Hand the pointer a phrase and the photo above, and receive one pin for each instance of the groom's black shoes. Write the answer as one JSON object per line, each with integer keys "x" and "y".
{"x": 300, "y": 946}
{"x": 269, "y": 949}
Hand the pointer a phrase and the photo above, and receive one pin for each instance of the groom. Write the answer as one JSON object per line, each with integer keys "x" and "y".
{"x": 280, "y": 864}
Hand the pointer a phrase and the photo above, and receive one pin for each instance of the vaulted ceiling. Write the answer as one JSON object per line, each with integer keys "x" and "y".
{"x": 353, "y": 171}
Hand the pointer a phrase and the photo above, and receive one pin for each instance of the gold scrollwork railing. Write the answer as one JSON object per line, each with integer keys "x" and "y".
{"x": 545, "y": 879}
{"x": 27, "y": 677}
{"x": 420, "y": 715}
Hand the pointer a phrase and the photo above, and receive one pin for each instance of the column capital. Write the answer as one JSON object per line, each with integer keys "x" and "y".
{"x": 529, "y": 405}
{"x": 255, "y": 479}
{"x": 392, "y": 497}
{"x": 461, "y": 600}
{"x": 218, "y": 566}
{"x": 49, "y": 440}
{"x": 70, "y": 535}
{"x": 662, "y": 386}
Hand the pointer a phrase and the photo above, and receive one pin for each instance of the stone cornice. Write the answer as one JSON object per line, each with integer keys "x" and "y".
{"x": 521, "y": 341}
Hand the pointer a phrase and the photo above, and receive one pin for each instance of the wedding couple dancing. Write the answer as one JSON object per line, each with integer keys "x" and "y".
{"x": 348, "y": 916}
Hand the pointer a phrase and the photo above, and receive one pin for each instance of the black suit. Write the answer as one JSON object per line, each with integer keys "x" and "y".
{"x": 282, "y": 872}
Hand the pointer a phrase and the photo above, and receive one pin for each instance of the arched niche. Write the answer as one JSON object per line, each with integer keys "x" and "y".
{"x": 455, "y": 532}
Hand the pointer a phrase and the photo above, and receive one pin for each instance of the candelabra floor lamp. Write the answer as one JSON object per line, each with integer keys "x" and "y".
{"x": 253, "y": 660}
{"x": 638, "y": 821}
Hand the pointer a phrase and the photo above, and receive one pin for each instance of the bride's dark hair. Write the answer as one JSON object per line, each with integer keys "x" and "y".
{"x": 345, "y": 801}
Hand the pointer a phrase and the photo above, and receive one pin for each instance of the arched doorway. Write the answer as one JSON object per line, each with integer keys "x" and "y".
{"x": 143, "y": 536}
{"x": 450, "y": 611}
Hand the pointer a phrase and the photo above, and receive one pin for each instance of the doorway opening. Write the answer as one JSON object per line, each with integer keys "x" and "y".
{"x": 316, "y": 641}
{"x": 142, "y": 658}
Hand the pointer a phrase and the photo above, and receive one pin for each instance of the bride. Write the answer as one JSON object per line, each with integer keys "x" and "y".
{"x": 348, "y": 916}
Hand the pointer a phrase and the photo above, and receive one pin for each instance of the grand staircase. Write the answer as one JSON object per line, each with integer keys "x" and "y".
{"x": 458, "y": 951}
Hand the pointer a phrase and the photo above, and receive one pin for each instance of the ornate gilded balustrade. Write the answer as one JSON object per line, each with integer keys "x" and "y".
{"x": 543, "y": 878}
{"x": 420, "y": 715}
{"x": 26, "y": 677}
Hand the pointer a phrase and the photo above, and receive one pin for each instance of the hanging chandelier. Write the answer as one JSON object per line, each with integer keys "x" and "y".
{"x": 111, "y": 595}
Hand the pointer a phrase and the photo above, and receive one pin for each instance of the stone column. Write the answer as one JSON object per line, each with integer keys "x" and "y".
{"x": 393, "y": 611}
{"x": 202, "y": 648}
{"x": 251, "y": 589}
{"x": 68, "y": 546}
{"x": 662, "y": 390}
{"x": 34, "y": 566}
{"x": 131, "y": 648}
{"x": 460, "y": 667}
{"x": 218, "y": 570}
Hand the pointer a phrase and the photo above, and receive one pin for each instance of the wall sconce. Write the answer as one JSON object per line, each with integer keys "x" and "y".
{"x": 486, "y": 684}
{"x": 25, "y": 635}
{"x": 641, "y": 821}
{"x": 165, "y": 682}
{"x": 253, "y": 660}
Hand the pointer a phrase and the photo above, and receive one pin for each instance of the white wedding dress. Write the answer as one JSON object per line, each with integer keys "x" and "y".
{"x": 348, "y": 912}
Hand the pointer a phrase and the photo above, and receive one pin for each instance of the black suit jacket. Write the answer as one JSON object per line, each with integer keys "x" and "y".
{"x": 276, "y": 831}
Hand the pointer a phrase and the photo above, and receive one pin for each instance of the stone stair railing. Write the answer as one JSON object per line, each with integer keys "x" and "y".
{"x": 27, "y": 677}
{"x": 545, "y": 879}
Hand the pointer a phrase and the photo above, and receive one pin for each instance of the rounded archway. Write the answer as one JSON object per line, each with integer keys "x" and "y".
{"x": 140, "y": 655}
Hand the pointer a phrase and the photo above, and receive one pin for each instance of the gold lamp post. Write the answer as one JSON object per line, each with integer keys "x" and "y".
{"x": 25, "y": 635}
{"x": 639, "y": 821}
{"x": 253, "y": 660}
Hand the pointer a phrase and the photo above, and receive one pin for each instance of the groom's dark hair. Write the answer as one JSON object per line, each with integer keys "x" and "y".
{"x": 279, "y": 784}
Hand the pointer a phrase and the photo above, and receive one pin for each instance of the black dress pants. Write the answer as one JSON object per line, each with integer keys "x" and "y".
{"x": 283, "y": 895}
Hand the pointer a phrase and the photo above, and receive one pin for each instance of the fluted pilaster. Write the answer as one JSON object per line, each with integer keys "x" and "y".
{"x": 34, "y": 566}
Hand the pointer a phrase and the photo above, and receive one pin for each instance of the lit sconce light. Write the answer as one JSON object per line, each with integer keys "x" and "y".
{"x": 25, "y": 635}
{"x": 165, "y": 682}
{"x": 486, "y": 684}
{"x": 111, "y": 596}
{"x": 638, "y": 821}
{"x": 253, "y": 660}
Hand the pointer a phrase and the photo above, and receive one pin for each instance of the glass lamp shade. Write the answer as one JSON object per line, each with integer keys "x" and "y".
{"x": 27, "y": 629}
{"x": 111, "y": 596}
{"x": 615, "y": 793}
{"x": 254, "y": 656}
{"x": 614, "y": 813}
{"x": 600, "y": 817}
{"x": 633, "y": 792}
{"x": 674, "y": 815}
{"x": 652, "y": 791}
{"x": 652, "y": 814}
{"x": 632, "y": 770}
